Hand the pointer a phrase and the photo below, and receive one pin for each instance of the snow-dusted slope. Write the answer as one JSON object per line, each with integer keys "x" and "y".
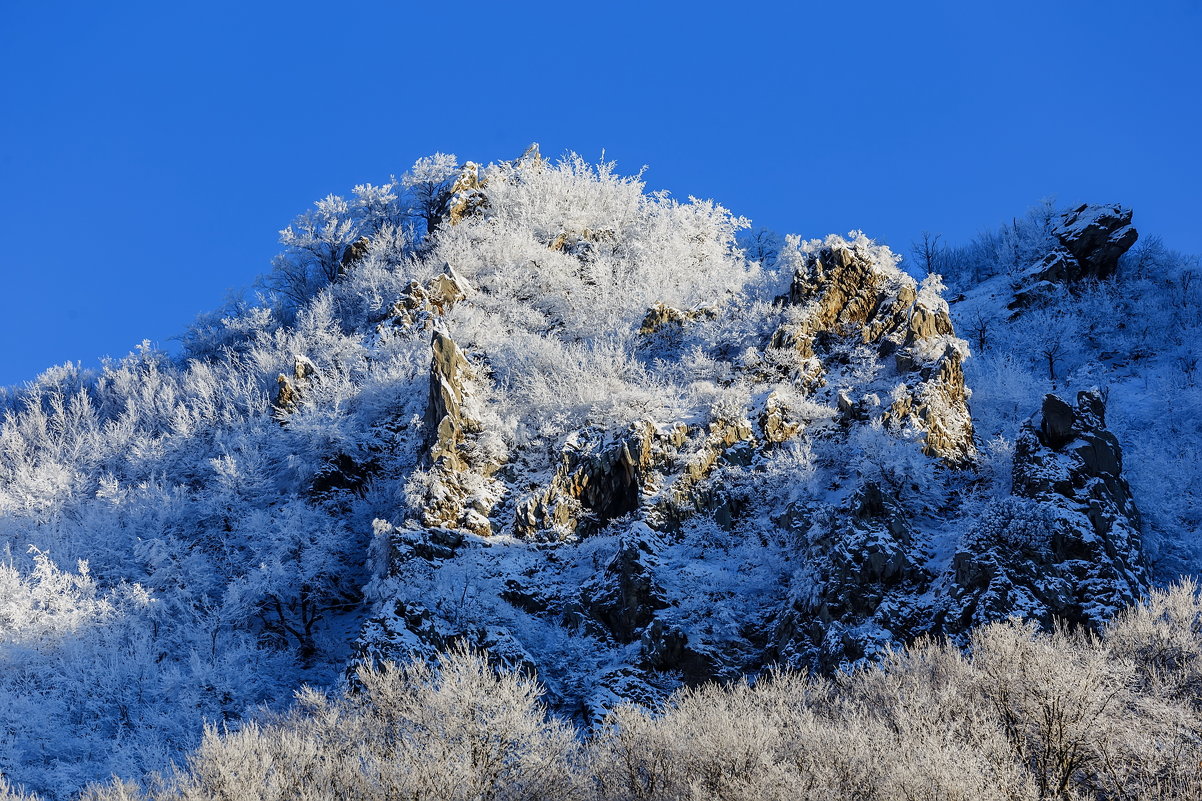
{"x": 535, "y": 408}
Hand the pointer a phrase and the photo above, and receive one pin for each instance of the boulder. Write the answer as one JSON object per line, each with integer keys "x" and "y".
{"x": 354, "y": 253}
{"x": 1091, "y": 240}
{"x": 1096, "y": 236}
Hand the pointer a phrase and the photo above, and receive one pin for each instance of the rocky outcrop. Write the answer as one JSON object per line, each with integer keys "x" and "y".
{"x": 660, "y": 316}
{"x": 1091, "y": 239}
{"x": 1096, "y": 237}
{"x": 289, "y": 389}
{"x": 625, "y": 596}
{"x": 466, "y": 196}
{"x": 1067, "y": 545}
{"x": 462, "y": 491}
{"x": 867, "y": 568}
{"x": 354, "y": 253}
{"x": 446, "y": 420}
{"x": 777, "y": 421}
{"x": 599, "y": 477}
{"x": 422, "y": 305}
{"x": 847, "y": 295}
{"x": 937, "y": 404}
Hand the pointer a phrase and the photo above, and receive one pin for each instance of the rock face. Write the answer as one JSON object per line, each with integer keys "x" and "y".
{"x": 462, "y": 492}
{"x": 598, "y": 478}
{"x": 867, "y": 569}
{"x": 354, "y": 253}
{"x": 445, "y": 417}
{"x": 1096, "y": 236}
{"x": 625, "y": 596}
{"x": 1068, "y": 544}
{"x": 466, "y": 196}
{"x": 845, "y": 294}
{"x": 1091, "y": 239}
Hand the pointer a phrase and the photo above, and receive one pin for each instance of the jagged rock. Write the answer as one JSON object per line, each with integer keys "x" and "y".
{"x": 661, "y": 315}
{"x": 668, "y": 648}
{"x": 466, "y": 196}
{"x": 1092, "y": 239}
{"x": 289, "y": 389}
{"x": 856, "y": 411}
{"x": 422, "y": 306}
{"x": 625, "y": 596}
{"x": 722, "y": 440}
{"x": 1096, "y": 236}
{"x": 531, "y": 157}
{"x": 463, "y": 492}
{"x": 844, "y": 293}
{"x": 527, "y": 598}
{"x": 1068, "y": 544}
{"x": 445, "y": 416}
{"x": 938, "y": 405}
{"x": 625, "y": 685}
{"x": 867, "y": 567}
{"x": 396, "y": 632}
{"x": 354, "y": 253}
{"x": 599, "y": 478}
{"x": 401, "y": 631}
{"x": 777, "y": 422}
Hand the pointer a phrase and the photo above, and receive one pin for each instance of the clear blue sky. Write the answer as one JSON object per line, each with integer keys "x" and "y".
{"x": 150, "y": 151}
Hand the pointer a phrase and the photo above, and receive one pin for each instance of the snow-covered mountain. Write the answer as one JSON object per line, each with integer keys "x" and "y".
{"x": 610, "y": 437}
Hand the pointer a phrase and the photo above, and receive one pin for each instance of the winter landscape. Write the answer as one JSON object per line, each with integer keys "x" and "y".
{"x": 523, "y": 480}
{"x": 600, "y": 402}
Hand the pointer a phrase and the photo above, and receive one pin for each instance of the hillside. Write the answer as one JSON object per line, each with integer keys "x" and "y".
{"x": 616, "y": 440}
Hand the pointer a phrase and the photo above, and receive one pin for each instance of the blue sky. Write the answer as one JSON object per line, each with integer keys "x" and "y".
{"x": 149, "y": 151}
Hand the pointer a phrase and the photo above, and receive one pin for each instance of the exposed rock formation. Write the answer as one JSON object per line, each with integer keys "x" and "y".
{"x": 289, "y": 389}
{"x": 846, "y": 295}
{"x": 462, "y": 492}
{"x": 354, "y": 253}
{"x": 466, "y": 196}
{"x": 830, "y": 442}
{"x": 599, "y": 478}
{"x": 1096, "y": 236}
{"x": 625, "y": 596}
{"x": 1092, "y": 239}
{"x": 422, "y": 305}
{"x": 661, "y": 315}
{"x": 867, "y": 569}
{"x": 445, "y": 417}
{"x": 777, "y": 421}
{"x": 1068, "y": 544}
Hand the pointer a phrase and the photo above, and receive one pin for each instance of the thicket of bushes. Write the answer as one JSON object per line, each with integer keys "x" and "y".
{"x": 1023, "y": 715}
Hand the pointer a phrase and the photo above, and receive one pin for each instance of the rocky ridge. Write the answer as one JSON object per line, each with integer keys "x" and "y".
{"x": 589, "y": 549}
